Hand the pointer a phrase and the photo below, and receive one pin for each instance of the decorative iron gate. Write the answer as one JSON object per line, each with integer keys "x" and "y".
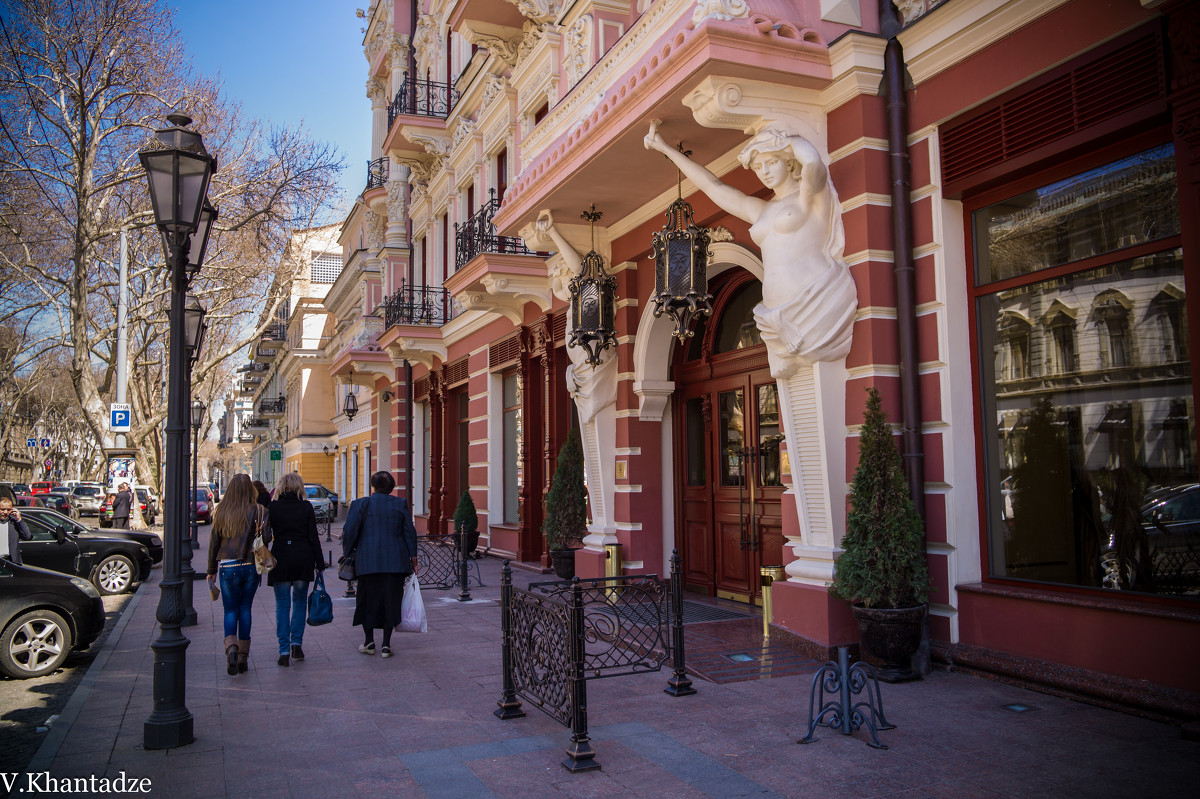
{"x": 558, "y": 635}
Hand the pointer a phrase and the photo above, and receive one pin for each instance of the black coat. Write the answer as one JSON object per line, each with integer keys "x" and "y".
{"x": 296, "y": 547}
{"x": 121, "y": 504}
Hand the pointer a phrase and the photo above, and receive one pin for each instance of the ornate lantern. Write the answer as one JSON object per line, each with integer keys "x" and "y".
{"x": 593, "y": 301}
{"x": 681, "y": 266}
{"x": 351, "y": 406}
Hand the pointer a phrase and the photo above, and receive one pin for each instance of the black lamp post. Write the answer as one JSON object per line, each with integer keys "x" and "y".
{"x": 194, "y": 327}
{"x": 179, "y": 170}
{"x": 198, "y": 409}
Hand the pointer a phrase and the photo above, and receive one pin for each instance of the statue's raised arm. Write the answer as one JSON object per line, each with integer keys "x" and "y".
{"x": 727, "y": 197}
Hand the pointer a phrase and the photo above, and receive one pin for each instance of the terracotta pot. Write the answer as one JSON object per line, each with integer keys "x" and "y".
{"x": 564, "y": 563}
{"x": 889, "y": 639}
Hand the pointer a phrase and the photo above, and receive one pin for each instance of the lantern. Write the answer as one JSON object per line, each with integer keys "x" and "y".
{"x": 593, "y": 301}
{"x": 681, "y": 266}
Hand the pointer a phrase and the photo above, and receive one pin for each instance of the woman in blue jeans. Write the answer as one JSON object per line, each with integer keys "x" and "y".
{"x": 297, "y": 551}
{"x": 237, "y": 520}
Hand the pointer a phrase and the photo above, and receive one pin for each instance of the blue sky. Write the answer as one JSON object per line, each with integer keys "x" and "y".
{"x": 289, "y": 61}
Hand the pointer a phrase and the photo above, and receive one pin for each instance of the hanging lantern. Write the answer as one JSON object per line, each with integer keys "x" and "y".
{"x": 593, "y": 302}
{"x": 681, "y": 265}
{"x": 351, "y": 406}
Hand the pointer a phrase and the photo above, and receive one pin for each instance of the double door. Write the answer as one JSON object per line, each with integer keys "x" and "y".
{"x": 730, "y": 521}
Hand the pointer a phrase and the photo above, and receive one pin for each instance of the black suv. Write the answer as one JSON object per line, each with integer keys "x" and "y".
{"x": 112, "y": 564}
{"x": 50, "y": 518}
{"x": 43, "y": 617}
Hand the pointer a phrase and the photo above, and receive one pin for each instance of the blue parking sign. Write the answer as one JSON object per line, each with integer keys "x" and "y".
{"x": 31, "y": 442}
{"x": 119, "y": 417}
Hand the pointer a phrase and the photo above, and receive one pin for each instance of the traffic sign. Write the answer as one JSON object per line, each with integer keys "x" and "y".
{"x": 31, "y": 442}
{"x": 45, "y": 443}
{"x": 49, "y": 463}
{"x": 119, "y": 417}
{"x": 276, "y": 455}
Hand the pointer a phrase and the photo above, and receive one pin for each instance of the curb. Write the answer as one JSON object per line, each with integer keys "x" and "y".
{"x": 58, "y": 733}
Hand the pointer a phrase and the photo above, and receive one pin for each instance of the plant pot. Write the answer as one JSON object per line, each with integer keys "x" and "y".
{"x": 889, "y": 639}
{"x": 564, "y": 563}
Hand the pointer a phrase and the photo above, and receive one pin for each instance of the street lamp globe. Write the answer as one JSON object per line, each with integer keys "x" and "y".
{"x": 198, "y": 409}
{"x": 193, "y": 323}
{"x": 179, "y": 169}
{"x": 199, "y": 241}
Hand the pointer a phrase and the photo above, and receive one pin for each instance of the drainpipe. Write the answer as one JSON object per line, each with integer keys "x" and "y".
{"x": 900, "y": 170}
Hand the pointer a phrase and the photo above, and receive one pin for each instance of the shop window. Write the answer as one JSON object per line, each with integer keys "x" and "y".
{"x": 512, "y": 447}
{"x": 1076, "y": 460}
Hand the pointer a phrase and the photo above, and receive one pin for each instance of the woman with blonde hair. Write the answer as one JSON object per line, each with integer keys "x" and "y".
{"x": 236, "y": 522}
{"x": 297, "y": 551}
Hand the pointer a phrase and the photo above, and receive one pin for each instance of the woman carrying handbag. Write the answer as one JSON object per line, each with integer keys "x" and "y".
{"x": 380, "y": 534}
{"x": 297, "y": 551}
{"x": 237, "y": 522}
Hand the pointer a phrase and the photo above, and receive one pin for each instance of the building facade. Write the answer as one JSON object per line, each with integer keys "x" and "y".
{"x": 984, "y": 208}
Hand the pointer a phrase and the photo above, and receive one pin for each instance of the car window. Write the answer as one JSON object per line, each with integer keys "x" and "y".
{"x": 314, "y": 491}
{"x": 39, "y": 528}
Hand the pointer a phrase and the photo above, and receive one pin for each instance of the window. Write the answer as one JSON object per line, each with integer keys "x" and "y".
{"x": 1074, "y": 453}
{"x": 326, "y": 268}
{"x": 738, "y": 329}
{"x": 512, "y": 447}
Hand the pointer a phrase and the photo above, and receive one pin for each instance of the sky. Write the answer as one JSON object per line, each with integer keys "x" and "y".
{"x": 287, "y": 62}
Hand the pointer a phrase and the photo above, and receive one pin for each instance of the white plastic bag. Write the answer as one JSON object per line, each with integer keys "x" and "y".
{"x": 412, "y": 609}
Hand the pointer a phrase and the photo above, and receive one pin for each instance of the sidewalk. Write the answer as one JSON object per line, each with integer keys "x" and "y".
{"x": 340, "y": 724}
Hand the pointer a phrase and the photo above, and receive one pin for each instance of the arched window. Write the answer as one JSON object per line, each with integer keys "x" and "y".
{"x": 736, "y": 329}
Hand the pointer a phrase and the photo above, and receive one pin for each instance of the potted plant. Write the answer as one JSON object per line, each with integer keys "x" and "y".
{"x": 466, "y": 525}
{"x": 882, "y": 569}
{"x": 566, "y": 508}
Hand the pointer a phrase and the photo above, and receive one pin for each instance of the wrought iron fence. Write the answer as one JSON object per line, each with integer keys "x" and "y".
{"x": 478, "y": 235}
{"x": 275, "y": 332}
{"x": 422, "y": 98}
{"x": 277, "y": 405}
{"x": 437, "y": 561}
{"x": 559, "y": 635}
{"x": 377, "y": 173}
{"x": 419, "y": 305}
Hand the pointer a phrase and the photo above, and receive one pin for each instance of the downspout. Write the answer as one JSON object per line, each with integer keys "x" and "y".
{"x": 900, "y": 172}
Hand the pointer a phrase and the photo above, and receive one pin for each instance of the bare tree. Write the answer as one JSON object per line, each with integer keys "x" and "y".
{"x": 83, "y": 84}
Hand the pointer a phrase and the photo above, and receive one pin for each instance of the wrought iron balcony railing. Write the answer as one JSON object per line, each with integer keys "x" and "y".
{"x": 275, "y": 332}
{"x": 419, "y": 305}
{"x": 377, "y": 173}
{"x": 275, "y": 406}
{"x": 422, "y": 98}
{"x": 477, "y": 235}
{"x": 255, "y": 423}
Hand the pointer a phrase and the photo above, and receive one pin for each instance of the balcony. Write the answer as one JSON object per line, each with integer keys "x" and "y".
{"x": 426, "y": 306}
{"x": 275, "y": 332}
{"x": 256, "y": 423}
{"x": 377, "y": 174}
{"x": 272, "y": 409}
{"x": 478, "y": 235}
{"x": 266, "y": 353}
{"x": 422, "y": 98}
{"x": 254, "y": 367}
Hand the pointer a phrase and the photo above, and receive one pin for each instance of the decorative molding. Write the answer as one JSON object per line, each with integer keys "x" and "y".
{"x": 397, "y": 196}
{"x": 538, "y": 11}
{"x": 504, "y": 48}
{"x": 653, "y": 396}
{"x": 376, "y": 92}
{"x": 523, "y": 289}
{"x": 751, "y": 105}
{"x": 428, "y": 43}
{"x": 719, "y": 9}
{"x": 577, "y": 58}
{"x": 493, "y": 87}
{"x": 464, "y": 128}
{"x": 719, "y": 233}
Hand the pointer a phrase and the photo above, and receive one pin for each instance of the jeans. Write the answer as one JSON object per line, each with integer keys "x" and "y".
{"x": 290, "y": 632}
{"x": 238, "y": 584}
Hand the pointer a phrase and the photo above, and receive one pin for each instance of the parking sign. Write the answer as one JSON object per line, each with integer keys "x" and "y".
{"x": 31, "y": 442}
{"x": 119, "y": 417}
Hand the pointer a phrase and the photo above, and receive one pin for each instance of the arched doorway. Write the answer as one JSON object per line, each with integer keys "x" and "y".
{"x": 727, "y": 436}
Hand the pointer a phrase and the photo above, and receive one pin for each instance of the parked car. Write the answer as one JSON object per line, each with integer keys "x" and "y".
{"x": 44, "y": 616}
{"x": 149, "y": 502}
{"x": 202, "y": 505}
{"x": 85, "y": 500}
{"x": 324, "y": 501}
{"x": 51, "y": 519}
{"x": 148, "y": 506}
{"x": 1171, "y": 520}
{"x": 41, "y": 487}
{"x": 113, "y": 564}
{"x": 16, "y": 488}
{"x": 29, "y": 501}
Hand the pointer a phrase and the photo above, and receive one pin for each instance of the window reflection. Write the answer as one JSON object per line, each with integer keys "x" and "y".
{"x": 769, "y": 436}
{"x": 732, "y": 437}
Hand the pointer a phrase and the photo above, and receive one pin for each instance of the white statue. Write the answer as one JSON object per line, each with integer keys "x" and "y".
{"x": 593, "y": 387}
{"x": 800, "y": 235}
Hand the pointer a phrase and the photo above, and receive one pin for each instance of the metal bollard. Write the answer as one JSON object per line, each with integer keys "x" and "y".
{"x": 768, "y": 575}
{"x": 614, "y": 566}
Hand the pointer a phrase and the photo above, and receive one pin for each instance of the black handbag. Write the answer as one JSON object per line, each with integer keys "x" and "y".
{"x": 320, "y": 606}
{"x": 346, "y": 566}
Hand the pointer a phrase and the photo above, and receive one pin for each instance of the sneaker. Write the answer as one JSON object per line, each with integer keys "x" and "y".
{"x": 367, "y": 649}
{"x": 386, "y": 652}
{"x": 283, "y": 660}
{"x": 297, "y": 652}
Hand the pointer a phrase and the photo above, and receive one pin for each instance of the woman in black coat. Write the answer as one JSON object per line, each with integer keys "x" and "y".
{"x": 297, "y": 550}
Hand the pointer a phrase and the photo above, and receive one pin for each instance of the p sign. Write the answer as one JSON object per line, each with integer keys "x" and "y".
{"x": 119, "y": 417}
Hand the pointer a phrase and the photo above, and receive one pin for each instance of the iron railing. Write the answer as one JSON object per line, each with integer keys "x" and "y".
{"x": 423, "y": 98}
{"x": 559, "y": 635}
{"x": 377, "y": 173}
{"x": 277, "y": 405}
{"x": 275, "y": 332}
{"x": 255, "y": 423}
{"x": 419, "y": 305}
{"x": 478, "y": 235}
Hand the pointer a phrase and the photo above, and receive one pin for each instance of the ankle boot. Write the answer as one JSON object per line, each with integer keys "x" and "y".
{"x": 243, "y": 645}
{"x": 231, "y": 654}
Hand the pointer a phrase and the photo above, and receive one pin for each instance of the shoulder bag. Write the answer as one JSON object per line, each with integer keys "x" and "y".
{"x": 264, "y": 561}
{"x": 320, "y": 606}
{"x": 346, "y": 562}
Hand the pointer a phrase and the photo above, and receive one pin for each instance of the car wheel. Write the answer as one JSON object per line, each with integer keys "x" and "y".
{"x": 35, "y": 644}
{"x": 114, "y": 575}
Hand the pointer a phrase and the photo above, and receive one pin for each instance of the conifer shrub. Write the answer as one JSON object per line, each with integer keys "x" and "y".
{"x": 566, "y": 502}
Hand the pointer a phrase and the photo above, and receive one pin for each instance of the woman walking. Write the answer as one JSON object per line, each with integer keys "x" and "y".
{"x": 237, "y": 520}
{"x": 297, "y": 551}
{"x": 380, "y": 532}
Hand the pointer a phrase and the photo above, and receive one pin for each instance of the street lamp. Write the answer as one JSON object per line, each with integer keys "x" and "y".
{"x": 194, "y": 326}
{"x": 179, "y": 170}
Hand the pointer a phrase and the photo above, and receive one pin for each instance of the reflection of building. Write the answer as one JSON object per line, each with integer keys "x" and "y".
{"x": 1054, "y": 220}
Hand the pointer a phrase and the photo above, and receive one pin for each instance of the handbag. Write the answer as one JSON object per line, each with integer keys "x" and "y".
{"x": 264, "y": 561}
{"x": 346, "y": 566}
{"x": 320, "y": 606}
{"x": 412, "y": 609}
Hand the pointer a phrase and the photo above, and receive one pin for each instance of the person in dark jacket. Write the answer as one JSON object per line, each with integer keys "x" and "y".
{"x": 121, "y": 506}
{"x": 264, "y": 496}
{"x": 297, "y": 551}
{"x": 13, "y": 530}
{"x": 380, "y": 531}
